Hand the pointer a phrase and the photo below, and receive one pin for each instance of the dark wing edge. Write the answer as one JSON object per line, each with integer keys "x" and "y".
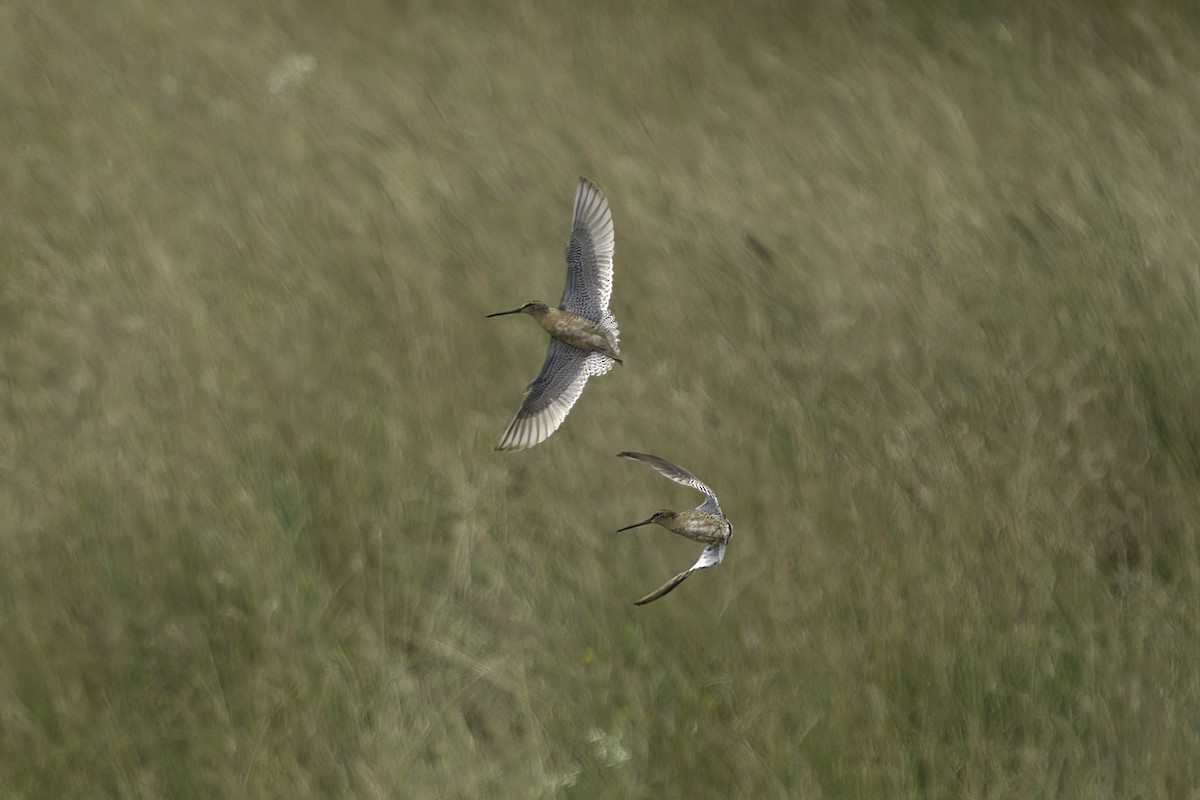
{"x": 712, "y": 555}
{"x": 680, "y": 476}
{"x": 665, "y": 589}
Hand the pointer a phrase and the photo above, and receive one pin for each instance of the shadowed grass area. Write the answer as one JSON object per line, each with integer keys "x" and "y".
{"x": 915, "y": 290}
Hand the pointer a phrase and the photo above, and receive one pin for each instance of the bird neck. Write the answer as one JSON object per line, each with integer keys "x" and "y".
{"x": 541, "y": 313}
{"x": 672, "y": 520}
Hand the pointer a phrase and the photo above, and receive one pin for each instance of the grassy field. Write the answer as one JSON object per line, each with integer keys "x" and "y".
{"x": 915, "y": 288}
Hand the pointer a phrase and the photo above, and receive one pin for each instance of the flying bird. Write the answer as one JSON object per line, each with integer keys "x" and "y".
{"x": 583, "y": 330}
{"x": 705, "y": 523}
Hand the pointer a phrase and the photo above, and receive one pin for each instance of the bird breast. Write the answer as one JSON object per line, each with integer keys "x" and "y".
{"x": 578, "y": 331}
{"x": 701, "y": 527}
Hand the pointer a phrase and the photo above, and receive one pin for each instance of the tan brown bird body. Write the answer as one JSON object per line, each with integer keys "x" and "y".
{"x": 573, "y": 329}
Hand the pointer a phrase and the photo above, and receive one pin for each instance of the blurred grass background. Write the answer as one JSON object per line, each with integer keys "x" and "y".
{"x": 914, "y": 287}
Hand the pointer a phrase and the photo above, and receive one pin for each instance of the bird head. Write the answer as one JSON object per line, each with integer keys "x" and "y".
{"x": 532, "y": 307}
{"x": 658, "y": 517}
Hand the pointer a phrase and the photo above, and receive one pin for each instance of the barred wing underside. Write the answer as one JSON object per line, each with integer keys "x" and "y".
{"x": 553, "y": 392}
